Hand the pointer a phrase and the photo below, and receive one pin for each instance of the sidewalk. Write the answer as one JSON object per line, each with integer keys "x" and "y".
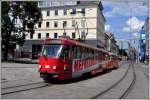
{"x": 144, "y": 65}
{"x": 26, "y": 60}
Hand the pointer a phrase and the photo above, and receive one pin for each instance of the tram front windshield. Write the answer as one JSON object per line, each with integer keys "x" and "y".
{"x": 55, "y": 51}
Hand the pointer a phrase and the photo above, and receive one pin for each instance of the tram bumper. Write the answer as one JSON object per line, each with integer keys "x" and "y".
{"x": 49, "y": 74}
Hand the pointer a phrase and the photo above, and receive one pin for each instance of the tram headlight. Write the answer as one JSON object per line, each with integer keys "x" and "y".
{"x": 65, "y": 67}
{"x": 47, "y": 66}
{"x": 54, "y": 67}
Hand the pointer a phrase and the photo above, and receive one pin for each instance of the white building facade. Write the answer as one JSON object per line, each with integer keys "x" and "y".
{"x": 146, "y": 28}
{"x": 82, "y": 19}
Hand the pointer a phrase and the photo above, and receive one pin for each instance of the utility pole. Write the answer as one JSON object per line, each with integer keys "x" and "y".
{"x": 121, "y": 49}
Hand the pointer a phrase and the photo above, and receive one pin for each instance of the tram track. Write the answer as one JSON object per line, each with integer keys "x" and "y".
{"x": 6, "y": 81}
{"x": 21, "y": 85}
{"x": 123, "y": 96}
{"x": 24, "y": 87}
{"x": 146, "y": 74}
{"x": 117, "y": 83}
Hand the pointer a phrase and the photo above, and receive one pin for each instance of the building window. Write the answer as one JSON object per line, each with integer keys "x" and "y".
{"x": 74, "y": 11}
{"x": 47, "y": 35}
{"x": 73, "y": 35}
{"x": 39, "y": 35}
{"x": 55, "y": 35}
{"x": 56, "y": 12}
{"x": 31, "y": 36}
{"x": 55, "y": 24}
{"x": 73, "y": 23}
{"x": 47, "y": 24}
{"x": 16, "y": 21}
{"x": 65, "y": 11}
{"x": 83, "y": 11}
{"x": 83, "y": 34}
{"x": 83, "y": 23}
{"x": 64, "y": 24}
{"x": 48, "y": 13}
{"x": 39, "y": 24}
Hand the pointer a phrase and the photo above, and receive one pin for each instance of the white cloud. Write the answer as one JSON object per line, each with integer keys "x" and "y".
{"x": 126, "y": 29}
{"x": 107, "y": 27}
{"x": 125, "y": 9}
{"x": 133, "y": 25}
{"x": 135, "y": 34}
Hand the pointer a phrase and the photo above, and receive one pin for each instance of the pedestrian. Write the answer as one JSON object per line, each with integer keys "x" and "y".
{"x": 132, "y": 57}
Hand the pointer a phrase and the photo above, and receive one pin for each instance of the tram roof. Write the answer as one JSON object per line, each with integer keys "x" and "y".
{"x": 110, "y": 53}
{"x": 74, "y": 42}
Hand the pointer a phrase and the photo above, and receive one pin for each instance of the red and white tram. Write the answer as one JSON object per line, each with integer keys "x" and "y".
{"x": 64, "y": 59}
{"x": 112, "y": 61}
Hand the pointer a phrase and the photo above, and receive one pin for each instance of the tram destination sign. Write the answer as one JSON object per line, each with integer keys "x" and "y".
{"x": 53, "y": 41}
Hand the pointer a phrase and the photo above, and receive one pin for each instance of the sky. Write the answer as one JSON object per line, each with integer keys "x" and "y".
{"x": 125, "y": 19}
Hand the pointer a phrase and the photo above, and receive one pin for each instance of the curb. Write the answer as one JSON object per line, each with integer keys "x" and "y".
{"x": 26, "y": 61}
{"x": 23, "y": 61}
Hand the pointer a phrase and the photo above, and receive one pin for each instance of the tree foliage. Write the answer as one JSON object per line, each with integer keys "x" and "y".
{"x": 27, "y": 14}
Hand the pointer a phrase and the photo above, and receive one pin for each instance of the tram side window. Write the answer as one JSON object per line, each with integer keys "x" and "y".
{"x": 75, "y": 52}
{"x": 86, "y": 53}
{"x": 65, "y": 52}
{"x": 96, "y": 53}
{"x": 83, "y": 53}
{"x": 89, "y": 53}
{"x": 71, "y": 50}
{"x": 114, "y": 57}
{"x": 93, "y": 53}
{"x": 110, "y": 57}
{"x": 99, "y": 53}
{"x": 78, "y": 52}
{"x": 107, "y": 57}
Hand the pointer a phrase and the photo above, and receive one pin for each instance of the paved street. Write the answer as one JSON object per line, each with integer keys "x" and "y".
{"x": 75, "y": 49}
{"x": 22, "y": 81}
{"x": 16, "y": 71}
{"x": 141, "y": 88}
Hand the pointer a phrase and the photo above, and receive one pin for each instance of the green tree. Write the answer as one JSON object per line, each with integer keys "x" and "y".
{"x": 28, "y": 14}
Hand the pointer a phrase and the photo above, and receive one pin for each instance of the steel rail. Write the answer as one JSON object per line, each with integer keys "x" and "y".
{"x": 20, "y": 90}
{"x": 21, "y": 85}
{"x": 146, "y": 75}
{"x": 7, "y": 81}
{"x": 124, "y": 95}
{"x": 115, "y": 84}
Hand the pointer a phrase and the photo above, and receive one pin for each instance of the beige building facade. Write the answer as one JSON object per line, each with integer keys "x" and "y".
{"x": 111, "y": 43}
{"x": 82, "y": 19}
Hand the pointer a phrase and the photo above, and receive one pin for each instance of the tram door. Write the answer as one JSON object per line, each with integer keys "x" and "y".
{"x": 67, "y": 61}
{"x": 36, "y": 49}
